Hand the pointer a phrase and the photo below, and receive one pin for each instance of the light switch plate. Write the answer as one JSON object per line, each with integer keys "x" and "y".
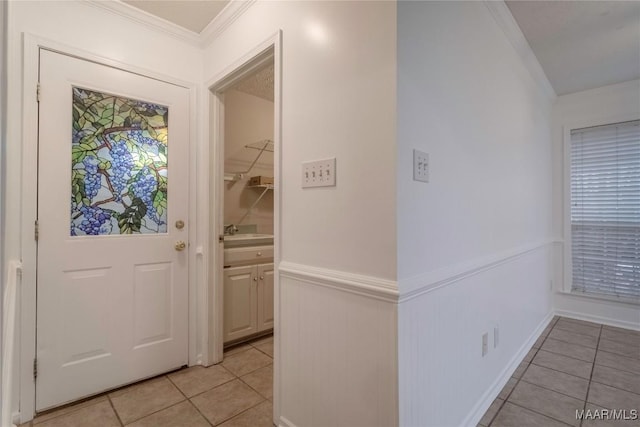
{"x": 420, "y": 166}
{"x": 319, "y": 173}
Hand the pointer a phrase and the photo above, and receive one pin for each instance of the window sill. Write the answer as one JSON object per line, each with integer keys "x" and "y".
{"x": 619, "y": 300}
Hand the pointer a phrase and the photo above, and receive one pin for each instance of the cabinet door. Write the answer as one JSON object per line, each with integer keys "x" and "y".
{"x": 265, "y": 296}
{"x": 240, "y": 302}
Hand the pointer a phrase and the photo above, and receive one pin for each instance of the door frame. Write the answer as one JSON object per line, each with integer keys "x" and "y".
{"x": 32, "y": 44}
{"x": 271, "y": 48}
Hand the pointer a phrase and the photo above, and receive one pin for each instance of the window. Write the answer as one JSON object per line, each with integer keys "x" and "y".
{"x": 605, "y": 209}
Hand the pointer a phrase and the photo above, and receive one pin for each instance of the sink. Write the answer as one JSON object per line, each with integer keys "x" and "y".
{"x": 247, "y": 239}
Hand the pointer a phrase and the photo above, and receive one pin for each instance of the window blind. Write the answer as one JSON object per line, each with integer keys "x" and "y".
{"x": 605, "y": 209}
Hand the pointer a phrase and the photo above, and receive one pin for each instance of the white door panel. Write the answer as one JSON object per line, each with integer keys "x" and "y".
{"x": 112, "y": 306}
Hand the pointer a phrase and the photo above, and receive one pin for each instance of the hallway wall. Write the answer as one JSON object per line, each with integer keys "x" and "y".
{"x": 474, "y": 242}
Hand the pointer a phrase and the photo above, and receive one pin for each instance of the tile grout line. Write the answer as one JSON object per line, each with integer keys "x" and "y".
{"x": 556, "y": 391}
{"x": 540, "y": 413}
{"x": 252, "y": 388}
{"x": 593, "y": 367}
{"x": 551, "y": 323}
{"x": 240, "y": 413}
{"x": 153, "y": 412}
{"x": 115, "y": 411}
{"x": 188, "y": 399}
{"x": 570, "y": 357}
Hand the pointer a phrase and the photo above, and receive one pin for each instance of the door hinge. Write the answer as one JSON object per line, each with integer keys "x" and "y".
{"x": 38, "y": 92}
{"x": 36, "y": 231}
{"x": 35, "y": 369}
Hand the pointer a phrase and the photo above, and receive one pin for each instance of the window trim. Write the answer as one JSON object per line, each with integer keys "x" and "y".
{"x": 567, "y": 264}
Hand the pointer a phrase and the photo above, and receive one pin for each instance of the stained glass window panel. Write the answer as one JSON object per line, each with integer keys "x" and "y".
{"x": 119, "y": 165}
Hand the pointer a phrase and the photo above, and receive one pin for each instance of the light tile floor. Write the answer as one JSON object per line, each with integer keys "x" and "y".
{"x": 236, "y": 393}
{"x": 574, "y": 365}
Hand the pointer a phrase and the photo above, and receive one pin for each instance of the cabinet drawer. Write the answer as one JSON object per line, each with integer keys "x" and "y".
{"x": 251, "y": 255}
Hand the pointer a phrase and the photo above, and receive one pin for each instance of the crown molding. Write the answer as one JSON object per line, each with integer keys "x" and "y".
{"x": 505, "y": 20}
{"x": 148, "y": 20}
{"x": 232, "y": 11}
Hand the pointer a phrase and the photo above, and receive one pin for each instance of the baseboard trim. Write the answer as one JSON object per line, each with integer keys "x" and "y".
{"x": 598, "y": 319}
{"x": 431, "y": 281}
{"x": 367, "y": 286}
{"x": 490, "y": 395}
{"x": 285, "y": 422}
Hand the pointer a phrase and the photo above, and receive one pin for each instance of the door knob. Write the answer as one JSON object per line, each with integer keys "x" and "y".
{"x": 180, "y": 245}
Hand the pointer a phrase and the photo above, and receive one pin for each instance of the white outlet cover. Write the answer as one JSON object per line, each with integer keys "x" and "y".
{"x": 420, "y": 166}
{"x": 319, "y": 173}
{"x": 485, "y": 344}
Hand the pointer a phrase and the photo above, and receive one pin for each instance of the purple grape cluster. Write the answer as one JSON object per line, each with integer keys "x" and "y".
{"x": 96, "y": 221}
{"x": 121, "y": 164}
{"x": 91, "y": 178}
{"x": 144, "y": 187}
{"x": 138, "y": 137}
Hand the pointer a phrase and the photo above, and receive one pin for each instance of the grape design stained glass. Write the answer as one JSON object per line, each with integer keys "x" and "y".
{"x": 119, "y": 165}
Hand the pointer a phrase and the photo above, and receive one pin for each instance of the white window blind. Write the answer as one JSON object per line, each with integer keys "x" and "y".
{"x": 605, "y": 209}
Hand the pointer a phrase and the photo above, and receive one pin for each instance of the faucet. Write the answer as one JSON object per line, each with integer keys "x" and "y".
{"x": 230, "y": 229}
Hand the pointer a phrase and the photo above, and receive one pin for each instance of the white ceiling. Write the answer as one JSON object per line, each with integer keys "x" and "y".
{"x": 582, "y": 44}
{"x": 258, "y": 84}
{"x": 193, "y": 15}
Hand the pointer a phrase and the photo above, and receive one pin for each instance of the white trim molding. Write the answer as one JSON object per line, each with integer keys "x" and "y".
{"x": 285, "y": 423}
{"x": 600, "y": 319}
{"x": 433, "y": 280}
{"x": 147, "y": 19}
{"x": 368, "y": 286}
{"x": 505, "y": 20}
{"x": 232, "y": 11}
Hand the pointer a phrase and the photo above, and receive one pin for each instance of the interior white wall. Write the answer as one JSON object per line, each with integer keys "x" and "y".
{"x": 247, "y": 119}
{"x": 608, "y": 104}
{"x": 80, "y": 25}
{"x": 474, "y": 242}
{"x": 337, "y": 243}
{"x": 338, "y": 99}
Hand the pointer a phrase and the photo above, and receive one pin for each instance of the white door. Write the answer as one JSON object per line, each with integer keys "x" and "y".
{"x": 112, "y": 190}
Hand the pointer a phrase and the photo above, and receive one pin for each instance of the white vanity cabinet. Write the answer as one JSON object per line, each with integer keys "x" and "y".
{"x": 248, "y": 292}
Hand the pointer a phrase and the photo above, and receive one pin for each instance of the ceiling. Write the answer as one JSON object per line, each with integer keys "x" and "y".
{"x": 258, "y": 84}
{"x": 582, "y": 44}
{"x": 193, "y": 15}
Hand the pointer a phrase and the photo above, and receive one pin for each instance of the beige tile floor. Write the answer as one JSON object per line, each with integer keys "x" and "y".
{"x": 236, "y": 393}
{"x": 573, "y": 365}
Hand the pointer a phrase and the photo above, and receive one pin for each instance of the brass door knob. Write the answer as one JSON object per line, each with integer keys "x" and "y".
{"x": 179, "y": 224}
{"x": 180, "y": 245}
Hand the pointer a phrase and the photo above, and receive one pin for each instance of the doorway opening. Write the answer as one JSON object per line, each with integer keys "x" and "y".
{"x": 244, "y": 219}
{"x": 248, "y": 206}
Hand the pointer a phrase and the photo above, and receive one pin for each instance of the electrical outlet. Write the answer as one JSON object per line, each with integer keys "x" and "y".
{"x": 319, "y": 173}
{"x": 496, "y": 336}
{"x": 420, "y": 166}
{"x": 485, "y": 344}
